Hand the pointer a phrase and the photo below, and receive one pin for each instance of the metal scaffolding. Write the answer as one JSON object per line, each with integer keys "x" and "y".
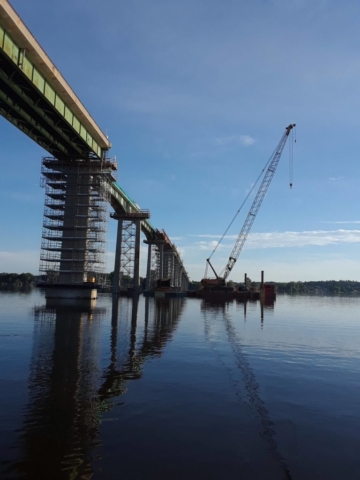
{"x": 127, "y": 259}
{"x": 127, "y": 255}
{"x": 155, "y": 266}
{"x": 75, "y": 219}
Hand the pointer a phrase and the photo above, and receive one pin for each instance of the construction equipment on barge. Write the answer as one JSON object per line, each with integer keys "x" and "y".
{"x": 218, "y": 284}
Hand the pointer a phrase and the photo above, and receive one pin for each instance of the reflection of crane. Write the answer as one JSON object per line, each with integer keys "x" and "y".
{"x": 220, "y": 281}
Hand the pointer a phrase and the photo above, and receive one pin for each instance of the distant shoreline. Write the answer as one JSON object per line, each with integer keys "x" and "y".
{"x": 26, "y": 281}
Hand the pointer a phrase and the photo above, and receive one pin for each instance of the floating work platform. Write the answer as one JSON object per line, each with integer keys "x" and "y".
{"x": 267, "y": 293}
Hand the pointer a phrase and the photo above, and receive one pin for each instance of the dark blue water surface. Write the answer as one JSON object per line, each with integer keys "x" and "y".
{"x": 180, "y": 389}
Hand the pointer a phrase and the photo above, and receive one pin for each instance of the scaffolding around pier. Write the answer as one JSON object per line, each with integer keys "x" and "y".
{"x": 75, "y": 219}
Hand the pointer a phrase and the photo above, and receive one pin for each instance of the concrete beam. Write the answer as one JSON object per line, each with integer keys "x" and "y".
{"x": 24, "y": 39}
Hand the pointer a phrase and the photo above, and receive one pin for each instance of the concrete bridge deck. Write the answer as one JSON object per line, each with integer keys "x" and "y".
{"x": 35, "y": 97}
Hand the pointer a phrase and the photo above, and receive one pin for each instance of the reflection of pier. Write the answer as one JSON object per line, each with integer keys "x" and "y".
{"x": 70, "y": 388}
{"x": 222, "y": 306}
{"x": 160, "y": 321}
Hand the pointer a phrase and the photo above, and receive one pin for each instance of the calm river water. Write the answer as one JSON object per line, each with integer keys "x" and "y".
{"x": 180, "y": 389}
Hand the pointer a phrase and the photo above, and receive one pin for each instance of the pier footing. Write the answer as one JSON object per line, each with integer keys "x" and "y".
{"x": 70, "y": 295}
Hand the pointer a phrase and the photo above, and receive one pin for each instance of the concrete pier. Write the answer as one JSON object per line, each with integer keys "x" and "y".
{"x": 127, "y": 252}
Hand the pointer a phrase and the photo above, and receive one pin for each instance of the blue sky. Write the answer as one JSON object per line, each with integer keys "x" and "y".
{"x": 194, "y": 96}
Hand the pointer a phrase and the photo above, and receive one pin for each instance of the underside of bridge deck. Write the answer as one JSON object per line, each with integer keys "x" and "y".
{"x": 79, "y": 179}
{"x": 26, "y": 108}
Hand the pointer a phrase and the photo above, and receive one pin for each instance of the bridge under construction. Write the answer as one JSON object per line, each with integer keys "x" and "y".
{"x": 79, "y": 178}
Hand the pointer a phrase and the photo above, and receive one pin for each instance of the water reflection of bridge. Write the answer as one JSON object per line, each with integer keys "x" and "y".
{"x": 73, "y": 381}
{"x": 266, "y": 306}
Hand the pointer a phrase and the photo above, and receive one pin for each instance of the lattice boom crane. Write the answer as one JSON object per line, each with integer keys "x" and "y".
{"x": 270, "y": 172}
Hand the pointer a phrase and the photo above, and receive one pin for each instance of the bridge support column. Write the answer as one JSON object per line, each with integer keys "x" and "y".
{"x": 148, "y": 267}
{"x": 172, "y": 267}
{"x": 184, "y": 283}
{"x": 177, "y": 272}
{"x": 136, "y": 279}
{"x": 166, "y": 265}
{"x": 116, "y": 277}
{"x": 74, "y": 226}
{"x": 127, "y": 254}
{"x": 180, "y": 275}
{"x": 185, "y": 286}
{"x": 161, "y": 269}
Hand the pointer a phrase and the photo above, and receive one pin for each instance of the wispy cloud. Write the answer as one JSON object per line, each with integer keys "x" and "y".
{"x": 344, "y": 222}
{"x": 244, "y": 140}
{"x": 285, "y": 239}
{"x": 336, "y": 179}
{"x": 176, "y": 239}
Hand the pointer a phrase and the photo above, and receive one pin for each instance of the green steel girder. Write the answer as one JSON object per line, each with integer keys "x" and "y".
{"x": 26, "y": 108}
{"x": 19, "y": 117}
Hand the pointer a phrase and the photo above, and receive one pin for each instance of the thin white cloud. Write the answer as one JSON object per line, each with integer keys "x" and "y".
{"x": 244, "y": 140}
{"x": 285, "y": 239}
{"x": 345, "y": 222}
{"x": 176, "y": 239}
{"x": 225, "y": 140}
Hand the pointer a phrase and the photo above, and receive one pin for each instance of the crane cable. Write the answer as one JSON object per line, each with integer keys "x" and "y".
{"x": 291, "y": 156}
{"x": 237, "y": 213}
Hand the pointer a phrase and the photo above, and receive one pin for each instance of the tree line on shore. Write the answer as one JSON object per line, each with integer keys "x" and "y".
{"x": 15, "y": 281}
{"x": 325, "y": 287}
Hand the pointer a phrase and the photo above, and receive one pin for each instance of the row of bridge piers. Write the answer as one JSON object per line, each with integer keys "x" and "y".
{"x": 77, "y": 196}
{"x": 163, "y": 259}
{"x": 78, "y": 177}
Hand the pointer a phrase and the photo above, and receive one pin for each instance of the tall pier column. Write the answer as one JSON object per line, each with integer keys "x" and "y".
{"x": 116, "y": 277}
{"x": 148, "y": 267}
{"x": 180, "y": 275}
{"x": 136, "y": 280}
{"x": 172, "y": 268}
{"x": 75, "y": 227}
{"x": 176, "y": 271}
{"x": 161, "y": 269}
{"x": 166, "y": 265}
